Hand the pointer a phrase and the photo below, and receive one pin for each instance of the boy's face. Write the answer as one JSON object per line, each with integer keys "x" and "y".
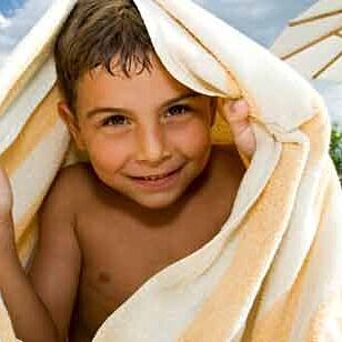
{"x": 146, "y": 125}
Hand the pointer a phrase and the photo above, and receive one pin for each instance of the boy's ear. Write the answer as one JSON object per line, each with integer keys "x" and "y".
{"x": 71, "y": 121}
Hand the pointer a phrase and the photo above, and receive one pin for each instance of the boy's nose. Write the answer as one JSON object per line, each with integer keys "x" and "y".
{"x": 151, "y": 145}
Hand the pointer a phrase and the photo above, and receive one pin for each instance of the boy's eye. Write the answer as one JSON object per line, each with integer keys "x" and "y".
{"x": 114, "y": 120}
{"x": 179, "y": 110}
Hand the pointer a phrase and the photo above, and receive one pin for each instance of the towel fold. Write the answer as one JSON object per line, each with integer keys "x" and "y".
{"x": 272, "y": 272}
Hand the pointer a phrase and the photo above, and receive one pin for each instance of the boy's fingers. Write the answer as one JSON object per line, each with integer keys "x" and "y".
{"x": 6, "y": 200}
{"x": 236, "y": 114}
{"x": 236, "y": 110}
{"x": 240, "y": 106}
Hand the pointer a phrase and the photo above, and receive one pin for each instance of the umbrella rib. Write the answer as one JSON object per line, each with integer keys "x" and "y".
{"x": 328, "y": 65}
{"x": 312, "y": 43}
{"x": 314, "y": 18}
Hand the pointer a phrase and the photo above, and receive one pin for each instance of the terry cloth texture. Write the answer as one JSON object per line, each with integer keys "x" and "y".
{"x": 273, "y": 272}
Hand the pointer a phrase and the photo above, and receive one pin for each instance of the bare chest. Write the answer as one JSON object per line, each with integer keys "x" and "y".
{"x": 121, "y": 254}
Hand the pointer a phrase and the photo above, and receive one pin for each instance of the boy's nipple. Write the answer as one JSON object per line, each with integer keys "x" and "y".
{"x": 104, "y": 277}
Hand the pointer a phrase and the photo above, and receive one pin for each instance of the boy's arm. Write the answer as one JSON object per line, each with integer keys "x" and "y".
{"x": 55, "y": 268}
{"x": 30, "y": 319}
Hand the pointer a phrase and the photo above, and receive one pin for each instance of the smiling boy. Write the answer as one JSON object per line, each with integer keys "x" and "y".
{"x": 154, "y": 191}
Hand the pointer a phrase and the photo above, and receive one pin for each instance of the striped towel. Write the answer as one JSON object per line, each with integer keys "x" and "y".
{"x": 272, "y": 272}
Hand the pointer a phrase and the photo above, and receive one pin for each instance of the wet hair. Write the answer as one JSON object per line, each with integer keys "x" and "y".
{"x": 94, "y": 33}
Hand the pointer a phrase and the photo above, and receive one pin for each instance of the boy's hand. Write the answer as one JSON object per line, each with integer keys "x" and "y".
{"x": 236, "y": 114}
{"x": 6, "y": 203}
{"x": 6, "y": 198}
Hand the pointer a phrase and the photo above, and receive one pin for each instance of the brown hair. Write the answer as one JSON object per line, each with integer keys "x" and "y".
{"x": 95, "y": 32}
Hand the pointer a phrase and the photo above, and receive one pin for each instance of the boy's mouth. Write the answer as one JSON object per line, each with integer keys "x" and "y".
{"x": 160, "y": 182}
{"x": 157, "y": 177}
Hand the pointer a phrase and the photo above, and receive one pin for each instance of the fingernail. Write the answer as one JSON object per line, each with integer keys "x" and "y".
{"x": 240, "y": 105}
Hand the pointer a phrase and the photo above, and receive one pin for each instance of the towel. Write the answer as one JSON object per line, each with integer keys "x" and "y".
{"x": 272, "y": 272}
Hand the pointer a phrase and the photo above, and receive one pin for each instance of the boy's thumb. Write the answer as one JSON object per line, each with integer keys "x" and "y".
{"x": 236, "y": 110}
{"x": 6, "y": 196}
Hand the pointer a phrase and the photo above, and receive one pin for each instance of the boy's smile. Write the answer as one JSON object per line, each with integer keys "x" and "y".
{"x": 147, "y": 136}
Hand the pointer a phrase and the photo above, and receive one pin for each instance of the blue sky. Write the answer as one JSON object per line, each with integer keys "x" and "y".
{"x": 262, "y": 20}
{"x": 7, "y": 6}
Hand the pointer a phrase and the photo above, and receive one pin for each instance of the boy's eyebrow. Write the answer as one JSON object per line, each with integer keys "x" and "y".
{"x": 98, "y": 110}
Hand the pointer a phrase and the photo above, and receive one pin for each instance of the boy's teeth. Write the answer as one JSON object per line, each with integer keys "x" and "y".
{"x": 153, "y": 178}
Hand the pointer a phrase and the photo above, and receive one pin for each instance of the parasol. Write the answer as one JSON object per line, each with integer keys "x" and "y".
{"x": 312, "y": 42}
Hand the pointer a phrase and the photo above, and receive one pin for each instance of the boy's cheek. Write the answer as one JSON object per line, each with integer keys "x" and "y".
{"x": 195, "y": 136}
{"x": 107, "y": 155}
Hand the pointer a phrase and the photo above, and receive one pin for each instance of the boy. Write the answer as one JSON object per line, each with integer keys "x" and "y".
{"x": 110, "y": 224}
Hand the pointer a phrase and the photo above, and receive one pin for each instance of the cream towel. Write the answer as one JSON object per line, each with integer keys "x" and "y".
{"x": 272, "y": 273}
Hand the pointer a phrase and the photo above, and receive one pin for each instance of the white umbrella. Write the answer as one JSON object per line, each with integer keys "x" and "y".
{"x": 312, "y": 43}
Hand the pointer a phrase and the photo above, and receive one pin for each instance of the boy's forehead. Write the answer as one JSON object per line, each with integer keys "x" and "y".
{"x": 100, "y": 86}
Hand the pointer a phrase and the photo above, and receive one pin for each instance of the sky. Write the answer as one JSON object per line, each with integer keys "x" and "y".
{"x": 262, "y": 20}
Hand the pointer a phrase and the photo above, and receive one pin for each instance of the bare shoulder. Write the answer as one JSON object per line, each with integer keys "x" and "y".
{"x": 74, "y": 174}
{"x": 69, "y": 187}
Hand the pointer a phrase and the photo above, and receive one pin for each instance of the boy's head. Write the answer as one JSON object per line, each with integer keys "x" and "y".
{"x": 135, "y": 121}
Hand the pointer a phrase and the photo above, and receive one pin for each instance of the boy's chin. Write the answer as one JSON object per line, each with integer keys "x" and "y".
{"x": 158, "y": 201}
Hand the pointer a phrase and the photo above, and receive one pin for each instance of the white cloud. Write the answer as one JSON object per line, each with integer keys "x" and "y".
{"x": 4, "y": 22}
{"x": 254, "y": 10}
{"x": 15, "y": 27}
